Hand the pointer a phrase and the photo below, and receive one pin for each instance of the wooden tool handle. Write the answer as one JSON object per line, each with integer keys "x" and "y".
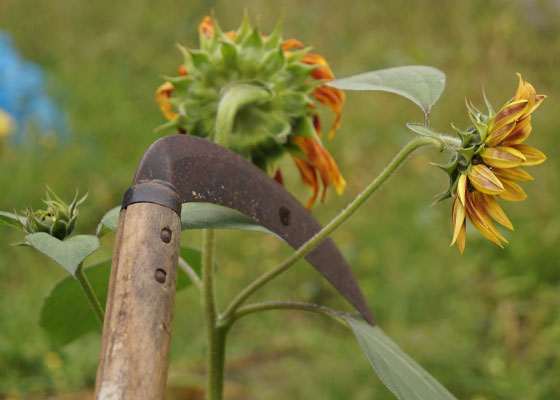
{"x": 139, "y": 312}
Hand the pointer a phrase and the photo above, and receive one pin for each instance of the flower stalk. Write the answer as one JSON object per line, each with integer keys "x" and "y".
{"x": 215, "y": 336}
{"x": 329, "y": 228}
{"x": 90, "y": 294}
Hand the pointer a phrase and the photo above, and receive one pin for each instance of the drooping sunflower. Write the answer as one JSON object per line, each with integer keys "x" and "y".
{"x": 488, "y": 165}
{"x": 256, "y": 95}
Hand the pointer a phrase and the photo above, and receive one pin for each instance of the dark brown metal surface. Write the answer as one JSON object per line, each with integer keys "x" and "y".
{"x": 202, "y": 171}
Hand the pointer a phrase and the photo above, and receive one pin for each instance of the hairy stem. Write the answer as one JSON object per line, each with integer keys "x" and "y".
{"x": 215, "y": 336}
{"x": 90, "y": 294}
{"x": 330, "y": 227}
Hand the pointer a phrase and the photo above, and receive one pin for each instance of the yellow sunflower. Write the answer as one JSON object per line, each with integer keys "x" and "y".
{"x": 496, "y": 167}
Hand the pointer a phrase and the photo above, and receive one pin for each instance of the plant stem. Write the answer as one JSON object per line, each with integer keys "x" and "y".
{"x": 215, "y": 336}
{"x": 191, "y": 273}
{"x": 90, "y": 294}
{"x": 330, "y": 227}
{"x": 288, "y": 305}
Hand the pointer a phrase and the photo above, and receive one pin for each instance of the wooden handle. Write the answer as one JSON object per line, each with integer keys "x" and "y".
{"x": 139, "y": 312}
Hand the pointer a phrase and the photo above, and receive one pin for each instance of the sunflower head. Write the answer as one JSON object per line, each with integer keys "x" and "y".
{"x": 256, "y": 95}
{"x": 488, "y": 164}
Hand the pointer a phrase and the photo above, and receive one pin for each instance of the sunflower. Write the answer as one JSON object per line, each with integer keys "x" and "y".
{"x": 489, "y": 165}
{"x": 270, "y": 86}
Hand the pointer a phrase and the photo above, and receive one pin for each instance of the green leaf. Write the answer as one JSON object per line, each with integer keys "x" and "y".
{"x": 208, "y": 215}
{"x": 66, "y": 313}
{"x": 196, "y": 216}
{"x": 401, "y": 374}
{"x": 68, "y": 253}
{"x": 109, "y": 222}
{"x": 420, "y": 84}
{"x": 13, "y": 220}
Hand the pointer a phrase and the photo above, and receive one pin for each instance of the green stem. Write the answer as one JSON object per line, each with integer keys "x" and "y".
{"x": 288, "y": 305}
{"x": 329, "y": 228}
{"x": 215, "y": 336}
{"x": 191, "y": 273}
{"x": 90, "y": 294}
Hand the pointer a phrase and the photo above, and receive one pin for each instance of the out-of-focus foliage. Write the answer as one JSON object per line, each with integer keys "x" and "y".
{"x": 485, "y": 324}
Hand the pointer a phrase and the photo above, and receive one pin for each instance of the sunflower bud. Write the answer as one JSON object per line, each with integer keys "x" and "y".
{"x": 58, "y": 219}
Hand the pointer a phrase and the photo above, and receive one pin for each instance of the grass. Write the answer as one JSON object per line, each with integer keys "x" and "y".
{"x": 485, "y": 324}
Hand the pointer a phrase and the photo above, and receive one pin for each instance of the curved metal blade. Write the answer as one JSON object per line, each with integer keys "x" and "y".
{"x": 202, "y": 171}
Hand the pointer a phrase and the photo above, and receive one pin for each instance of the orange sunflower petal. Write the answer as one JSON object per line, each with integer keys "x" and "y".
{"x": 206, "y": 27}
{"x": 512, "y": 192}
{"x": 533, "y": 156}
{"x": 162, "y": 96}
{"x": 182, "y": 69}
{"x": 334, "y": 99}
{"x": 513, "y": 174}
{"x": 482, "y": 222}
{"x": 231, "y": 35}
{"x": 323, "y": 71}
{"x": 291, "y": 44}
{"x": 484, "y": 180}
{"x": 502, "y": 157}
{"x": 322, "y": 161}
{"x": 494, "y": 210}
{"x": 309, "y": 178}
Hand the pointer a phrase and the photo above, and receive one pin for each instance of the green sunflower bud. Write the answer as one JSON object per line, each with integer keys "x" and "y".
{"x": 58, "y": 219}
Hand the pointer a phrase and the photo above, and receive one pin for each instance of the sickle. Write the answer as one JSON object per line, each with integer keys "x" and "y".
{"x": 178, "y": 169}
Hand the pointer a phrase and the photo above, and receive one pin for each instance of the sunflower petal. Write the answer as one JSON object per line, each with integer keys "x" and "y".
{"x": 484, "y": 180}
{"x": 482, "y": 222}
{"x": 291, "y": 44}
{"x": 510, "y": 112}
{"x": 461, "y": 238}
{"x": 162, "y": 96}
{"x": 496, "y": 136}
{"x": 457, "y": 219}
{"x": 502, "y": 157}
{"x": 494, "y": 210}
{"x": 521, "y": 132}
{"x": 323, "y": 71}
{"x": 462, "y": 188}
{"x": 538, "y": 101}
{"x": 206, "y": 27}
{"x": 182, "y": 69}
{"x": 320, "y": 159}
{"x": 525, "y": 91}
{"x": 309, "y": 178}
{"x": 512, "y": 192}
{"x": 513, "y": 174}
{"x": 533, "y": 156}
{"x": 334, "y": 99}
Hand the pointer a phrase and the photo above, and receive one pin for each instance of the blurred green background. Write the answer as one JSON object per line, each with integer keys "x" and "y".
{"x": 485, "y": 324}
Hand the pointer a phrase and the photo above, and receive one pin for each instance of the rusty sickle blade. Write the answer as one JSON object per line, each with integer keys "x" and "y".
{"x": 191, "y": 169}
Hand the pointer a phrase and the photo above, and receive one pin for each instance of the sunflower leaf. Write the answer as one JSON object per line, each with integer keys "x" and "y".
{"x": 420, "y": 84}
{"x": 66, "y": 314}
{"x": 401, "y": 374}
{"x": 196, "y": 216}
